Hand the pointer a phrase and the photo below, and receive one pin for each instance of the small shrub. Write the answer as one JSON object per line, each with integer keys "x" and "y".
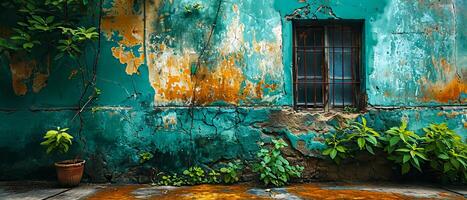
{"x": 349, "y": 139}
{"x": 213, "y": 177}
{"x": 171, "y": 180}
{"x": 350, "y": 109}
{"x": 145, "y": 156}
{"x": 404, "y": 147}
{"x": 57, "y": 140}
{"x": 447, "y": 152}
{"x": 195, "y": 175}
{"x": 273, "y": 167}
{"x": 230, "y": 173}
{"x": 441, "y": 147}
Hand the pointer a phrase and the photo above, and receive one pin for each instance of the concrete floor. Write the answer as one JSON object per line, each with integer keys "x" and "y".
{"x": 380, "y": 191}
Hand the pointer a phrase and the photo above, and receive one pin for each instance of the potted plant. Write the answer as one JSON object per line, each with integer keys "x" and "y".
{"x": 69, "y": 172}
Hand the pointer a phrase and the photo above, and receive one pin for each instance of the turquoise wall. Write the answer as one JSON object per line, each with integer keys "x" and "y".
{"x": 155, "y": 98}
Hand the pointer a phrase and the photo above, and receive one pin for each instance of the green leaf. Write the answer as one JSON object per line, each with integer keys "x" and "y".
{"x": 361, "y": 143}
{"x": 406, "y": 158}
{"x": 49, "y": 19}
{"x": 372, "y": 139}
{"x": 28, "y": 45}
{"x": 333, "y": 153}
{"x": 417, "y": 164}
{"x": 370, "y": 149}
{"x": 443, "y": 156}
{"x": 403, "y": 150}
{"x": 454, "y": 163}
{"x": 447, "y": 166}
{"x": 340, "y": 149}
{"x": 327, "y": 151}
{"x": 394, "y": 140}
{"x": 281, "y": 169}
{"x": 412, "y": 153}
{"x": 405, "y": 168}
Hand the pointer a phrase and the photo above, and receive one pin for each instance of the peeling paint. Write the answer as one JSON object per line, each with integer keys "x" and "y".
{"x": 125, "y": 24}
{"x": 22, "y": 71}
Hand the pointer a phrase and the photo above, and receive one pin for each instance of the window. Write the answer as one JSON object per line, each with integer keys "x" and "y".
{"x": 327, "y": 63}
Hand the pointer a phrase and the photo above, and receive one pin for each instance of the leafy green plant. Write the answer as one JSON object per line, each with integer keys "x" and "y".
{"x": 405, "y": 148}
{"x": 57, "y": 140}
{"x": 193, "y": 8}
{"x": 350, "y": 109}
{"x": 336, "y": 144}
{"x": 273, "y": 167}
{"x": 229, "y": 173}
{"x": 213, "y": 177}
{"x": 145, "y": 156}
{"x": 53, "y": 21}
{"x": 196, "y": 175}
{"x": 364, "y": 136}
{"x": 171, "y": 180}
{"x": 447, "y": 152}
{"x": 350, "y": 138}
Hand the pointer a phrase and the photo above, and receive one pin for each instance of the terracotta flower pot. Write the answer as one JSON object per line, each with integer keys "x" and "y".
{"x": 69, "y": 172}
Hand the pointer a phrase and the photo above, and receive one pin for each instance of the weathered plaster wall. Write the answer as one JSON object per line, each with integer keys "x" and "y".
{"x": 168, "y": 91}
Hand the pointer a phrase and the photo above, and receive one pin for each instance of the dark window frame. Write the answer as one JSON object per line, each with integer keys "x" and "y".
{"x": 357, "y": 79}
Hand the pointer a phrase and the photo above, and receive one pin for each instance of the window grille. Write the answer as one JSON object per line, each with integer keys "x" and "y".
{"x": 327, "y": 63}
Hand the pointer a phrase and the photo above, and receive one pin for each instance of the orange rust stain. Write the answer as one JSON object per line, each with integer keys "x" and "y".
{"x": 201, "y": 192}
{"x": 259, "y": 89}
{"x": 445, "y": 65}
{"x": 240, "y": 191}
{"x": 21, "y": 71}
{"x": 211, "y": 192}
{"x": 39, "y": 82}
{"x": 446, "y": 92}
{"x": 127, "y": 57}
{"x": 172, "y": 80}
{"x": 170, "y": 76}
{"x": 115, "y": 193}
{"x": 311, "y": 191}
{"x": 127, "y": 23}
{"x": 222, "y": 84}
{"x": 73, "y": 73}
{"x": 124, "y": 20}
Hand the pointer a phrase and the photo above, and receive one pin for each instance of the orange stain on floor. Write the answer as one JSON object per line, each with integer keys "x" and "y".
{"x": 240, "y": 191}
{"x": 114, "y": 193}
{"x": 311, "y": 191}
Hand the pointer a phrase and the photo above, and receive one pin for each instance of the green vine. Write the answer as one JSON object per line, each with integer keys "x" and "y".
{"x": 51, "y": 25}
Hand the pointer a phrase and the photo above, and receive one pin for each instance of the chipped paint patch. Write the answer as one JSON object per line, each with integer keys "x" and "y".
{"x": 22, "y": 71}
{"x": 129, "y": 59}
{"x": 125, "y": 25}
{"x": 39, "y": 82}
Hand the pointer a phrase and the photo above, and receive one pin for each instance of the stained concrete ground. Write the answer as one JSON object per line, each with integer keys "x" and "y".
{"x": 380, "y": 191}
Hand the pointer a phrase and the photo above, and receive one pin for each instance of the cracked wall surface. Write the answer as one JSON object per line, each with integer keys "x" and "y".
{"x": 171, "y": 87}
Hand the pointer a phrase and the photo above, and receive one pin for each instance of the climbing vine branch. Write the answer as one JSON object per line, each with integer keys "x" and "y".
{"x": 306, "y": 12}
